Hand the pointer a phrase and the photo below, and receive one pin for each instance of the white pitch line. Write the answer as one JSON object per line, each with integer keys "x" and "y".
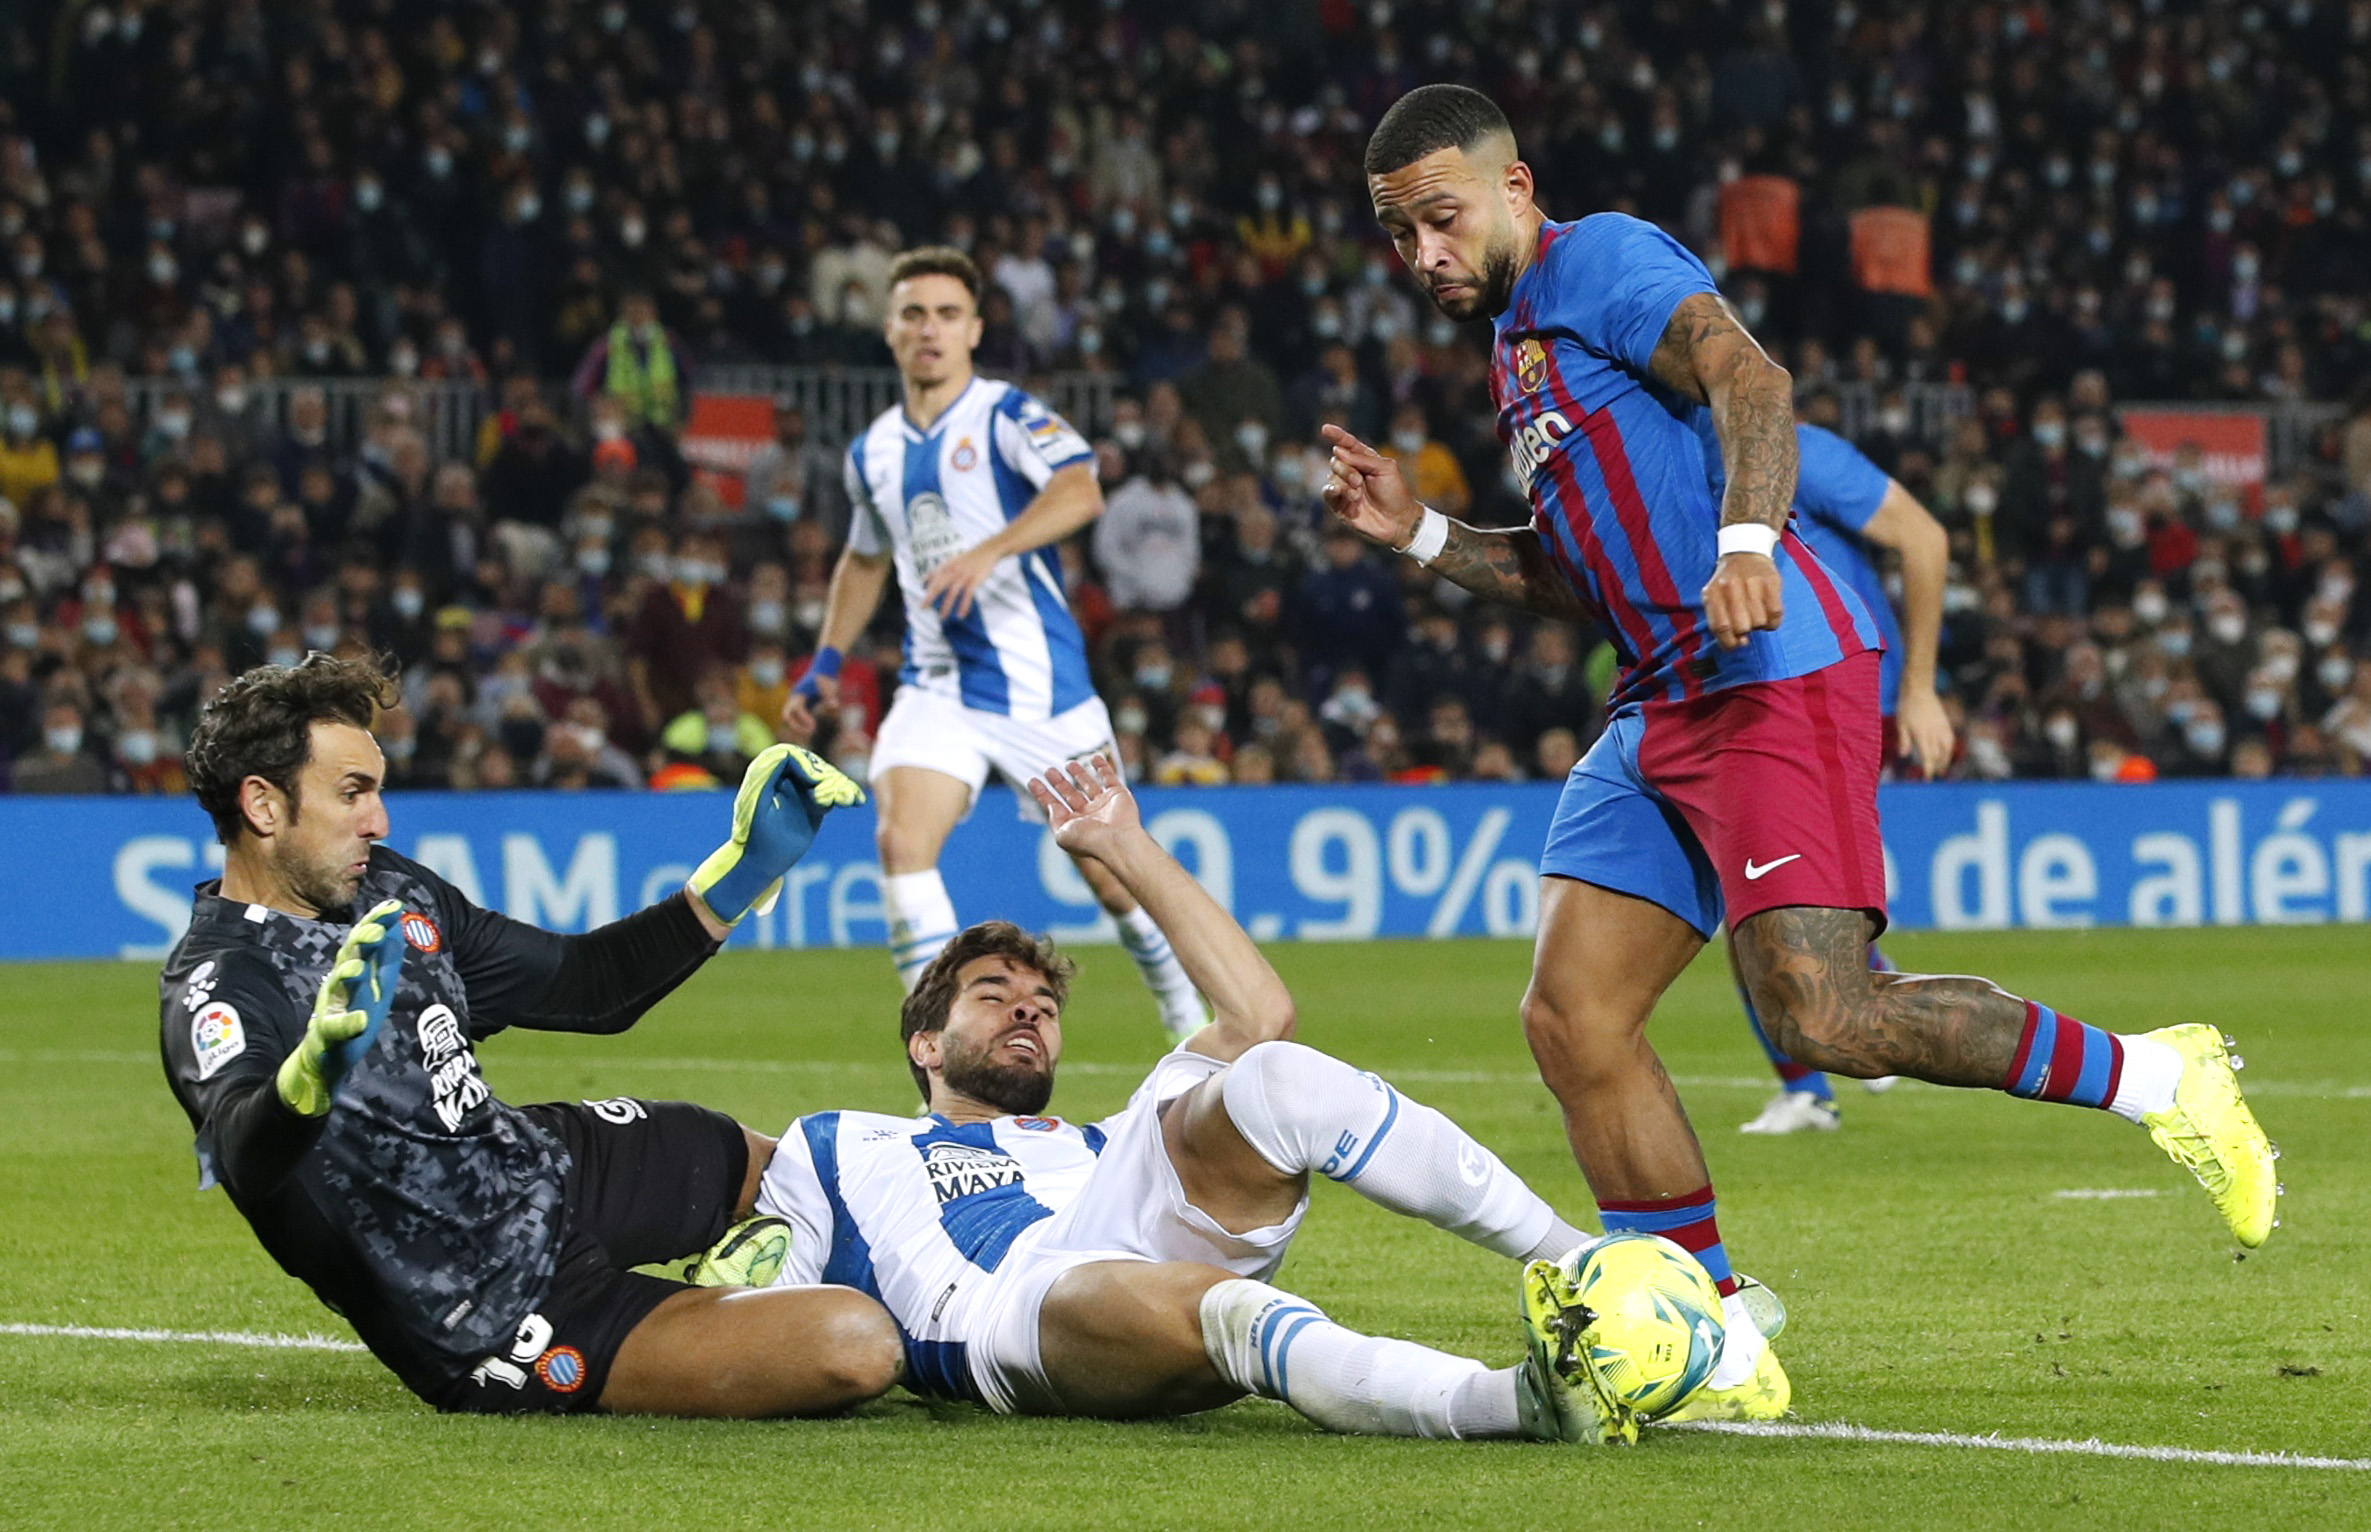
{"x": 1844, "y": 1431}
{"x": 190, "y": 1337}
{"x": 2105, "y": 1193}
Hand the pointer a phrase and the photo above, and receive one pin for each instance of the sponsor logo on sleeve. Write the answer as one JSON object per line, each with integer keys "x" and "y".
{"x": 199, "y": 987}
{"x": 216, "y": 1037}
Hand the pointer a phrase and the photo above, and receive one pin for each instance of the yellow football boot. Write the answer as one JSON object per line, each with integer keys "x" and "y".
{"x": 1764, "y": 1396}
{"x": 2210, "y": 1132}
{"x": 1558, "y": 1394}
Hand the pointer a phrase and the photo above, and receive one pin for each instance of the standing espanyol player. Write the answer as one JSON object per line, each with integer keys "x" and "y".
{"x": 1737, "y": 777}
{"x": 966, "y": 488}
{"x": 1847, "y": 510}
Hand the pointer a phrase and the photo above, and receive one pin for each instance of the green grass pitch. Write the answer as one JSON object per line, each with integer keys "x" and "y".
{"x": 1937, "y": 1282}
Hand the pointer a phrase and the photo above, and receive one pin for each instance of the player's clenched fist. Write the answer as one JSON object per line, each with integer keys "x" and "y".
{"x": 1365, "y": 489}
{"x": 353, "y": 1000}
{"x": 1742, "y": 598}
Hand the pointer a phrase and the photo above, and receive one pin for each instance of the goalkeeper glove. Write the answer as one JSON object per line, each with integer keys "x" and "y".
{"x": 354, "y": 998}
{"x": 784, "y": 796}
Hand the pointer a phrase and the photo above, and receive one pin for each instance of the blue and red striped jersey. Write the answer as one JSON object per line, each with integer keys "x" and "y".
{"x": 1625, "y": 476}
{"x": 1837, "y": 493}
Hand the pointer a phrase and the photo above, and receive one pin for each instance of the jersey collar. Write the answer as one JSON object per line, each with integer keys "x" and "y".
{"x": 918, "y": 433}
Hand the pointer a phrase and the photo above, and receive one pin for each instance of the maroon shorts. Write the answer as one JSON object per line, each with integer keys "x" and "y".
{"x": 1778, "y": 782}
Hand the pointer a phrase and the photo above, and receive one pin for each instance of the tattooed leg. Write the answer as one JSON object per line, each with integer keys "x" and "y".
{"x": 1808, "y": 972}
{"x": 1602, "y": 961}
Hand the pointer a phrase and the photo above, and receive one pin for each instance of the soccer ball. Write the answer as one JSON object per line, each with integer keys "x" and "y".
{"x": 1658, "y": 1329}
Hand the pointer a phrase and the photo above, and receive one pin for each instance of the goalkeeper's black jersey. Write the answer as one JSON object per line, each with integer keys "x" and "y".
{"x": 425, "y": 1211}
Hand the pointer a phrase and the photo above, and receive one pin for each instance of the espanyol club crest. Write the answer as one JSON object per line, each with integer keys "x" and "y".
{"x": 562, "y": 1369}
{"x": 1531, "y": 364}
{"x": 422, "y": 933}
{"x": 965, "y": 456}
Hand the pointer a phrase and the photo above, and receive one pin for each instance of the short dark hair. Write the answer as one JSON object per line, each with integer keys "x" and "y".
{"x": 933, "y": 998}
{"x": 261, "y": 725}
{"x": 1431, "y": 118}
{"x": 938, "y": 261}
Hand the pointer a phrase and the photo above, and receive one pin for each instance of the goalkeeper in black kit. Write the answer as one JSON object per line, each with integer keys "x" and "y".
{"x": 319, "y": 1022}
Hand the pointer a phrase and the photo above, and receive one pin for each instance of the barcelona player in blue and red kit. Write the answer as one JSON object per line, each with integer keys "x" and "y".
{"x": 1737, "y": 778}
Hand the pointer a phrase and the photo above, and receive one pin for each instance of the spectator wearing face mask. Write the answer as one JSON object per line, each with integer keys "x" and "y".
{"x": 1432, "y": 470}
{"x": 1230, "y": 388}
{"x": 28, "y": 459}
{"x": 64, "y": 761}
{"x": 1148, "y": 540}
{"x": 1346, "y": 611}
{"x": 688, "y": 624}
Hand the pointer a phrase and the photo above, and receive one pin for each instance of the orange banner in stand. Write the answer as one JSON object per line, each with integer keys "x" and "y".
{"x": 1761, "y": 224}
{"x": 1890, "y": 252}
{"x": 724, "y": 433}
{"x": 2231, "y": 442}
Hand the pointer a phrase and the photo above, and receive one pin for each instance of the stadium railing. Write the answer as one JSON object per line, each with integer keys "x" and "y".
{"x": 840, "y": 401}
{"x": 447, "y": 413}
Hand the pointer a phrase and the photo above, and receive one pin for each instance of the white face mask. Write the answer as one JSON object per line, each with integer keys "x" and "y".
{"x": 2227, "y": 627}
{"x": 2150, "y": 606}
{"x": 766, "y": 671}
{"x": 2334, "y": 673}
{"x": 1409, "y": 442}
{"x": 137, "y": 747}
{"x": 63, "y": 741}
{"x": 2062, "y": 732}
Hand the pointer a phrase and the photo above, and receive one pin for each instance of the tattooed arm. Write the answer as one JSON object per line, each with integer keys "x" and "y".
{"x": 1706, "y": 355}
{"x": 1512, "y": 567}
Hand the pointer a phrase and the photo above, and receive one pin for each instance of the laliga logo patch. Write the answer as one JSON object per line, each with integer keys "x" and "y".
{"x": 216, "y": 1037}
{"x": 562, "y": 1369}
{"x": 965, "y": 457}
{"x": 1531, "y": 365}
{"x": 422, "y": 933}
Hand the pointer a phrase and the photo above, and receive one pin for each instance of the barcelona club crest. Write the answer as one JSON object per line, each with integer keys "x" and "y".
{"x": 1531, "y": 365}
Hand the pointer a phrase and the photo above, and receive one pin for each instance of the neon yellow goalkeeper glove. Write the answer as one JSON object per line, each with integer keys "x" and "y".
{"x": 783, "y": 798}
{"x": 354, "y": 998}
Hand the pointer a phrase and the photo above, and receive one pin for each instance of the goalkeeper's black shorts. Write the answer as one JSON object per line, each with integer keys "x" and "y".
{"x": 647, "y": 1181}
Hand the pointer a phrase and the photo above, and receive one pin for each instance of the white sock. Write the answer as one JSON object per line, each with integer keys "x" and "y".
{"x": 1741, "y": 1345}
{"x": 2151, "y": 1071}
{"x": 1307, "y": 1111}
{"x": 1182, "y": 1013}
{"x": 921, "y": 921}
{"x": 1281, "y": 1347}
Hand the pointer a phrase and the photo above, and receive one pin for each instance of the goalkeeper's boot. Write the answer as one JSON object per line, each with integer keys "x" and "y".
{"x": 751, "y": 1254}
{"x": 1558, "y": 1395}
{"x": 1764, "y": 1396}
{"x": 2211, "y": 1133}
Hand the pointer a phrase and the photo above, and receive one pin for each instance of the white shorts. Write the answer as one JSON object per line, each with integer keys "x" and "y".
{"x": 938, "y": 733}
{"x": 1132, "y": 1208}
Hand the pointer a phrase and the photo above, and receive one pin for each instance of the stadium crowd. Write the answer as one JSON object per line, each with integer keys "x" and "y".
{"x": 579, "y": 207}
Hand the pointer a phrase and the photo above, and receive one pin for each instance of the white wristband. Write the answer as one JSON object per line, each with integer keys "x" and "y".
{"x": 1432, "y": 535}
{"x": 1748, "y": 537}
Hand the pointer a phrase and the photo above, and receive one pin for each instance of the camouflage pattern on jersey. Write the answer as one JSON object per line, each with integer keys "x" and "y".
{"x": 451, "y": 1199}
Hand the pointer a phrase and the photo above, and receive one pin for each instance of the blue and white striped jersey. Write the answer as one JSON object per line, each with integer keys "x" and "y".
{"x": 929, "y": 495}
{"x": 919, "y": 1211}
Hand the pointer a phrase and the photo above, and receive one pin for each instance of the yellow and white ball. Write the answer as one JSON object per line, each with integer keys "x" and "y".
{"x": 1659, "y": 1331}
